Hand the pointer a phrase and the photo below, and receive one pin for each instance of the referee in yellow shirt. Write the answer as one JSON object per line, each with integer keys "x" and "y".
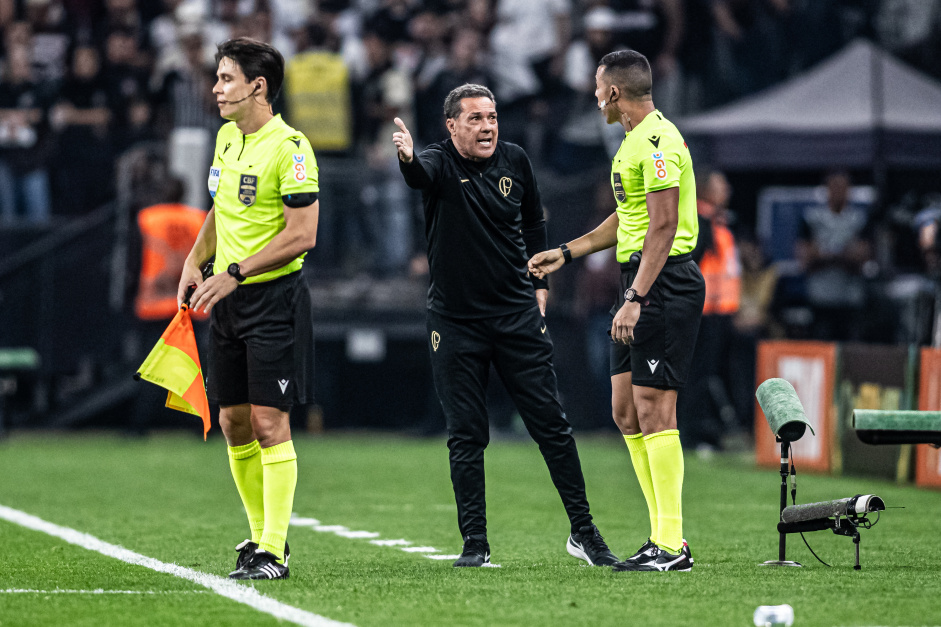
{"x": 263, "y": 182}
{"x": 660, "y": 299}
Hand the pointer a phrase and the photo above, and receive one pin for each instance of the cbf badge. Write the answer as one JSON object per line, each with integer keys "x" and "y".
{"x": 248, "y": 189}
{"x": 619, "y": 188}
{"x": 214, "y": 175}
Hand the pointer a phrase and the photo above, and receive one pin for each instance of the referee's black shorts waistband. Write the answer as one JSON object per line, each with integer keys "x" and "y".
{"x": 634, "y": 261}
{"x": 284, "y": 278}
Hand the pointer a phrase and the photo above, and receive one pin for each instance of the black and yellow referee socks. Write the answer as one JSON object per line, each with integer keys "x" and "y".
{"x": 279, "y": 463}
{"x": 665, "y": 456}
{"x": 245, "y": 462}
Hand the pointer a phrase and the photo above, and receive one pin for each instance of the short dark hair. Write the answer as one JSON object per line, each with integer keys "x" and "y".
{"x": 256, "y": 59}
{"x": 452, "y": 104}
{"x": 629, "y": 70}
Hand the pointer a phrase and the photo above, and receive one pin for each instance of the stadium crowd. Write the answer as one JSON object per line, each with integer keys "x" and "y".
{"x": 86, "y": 83}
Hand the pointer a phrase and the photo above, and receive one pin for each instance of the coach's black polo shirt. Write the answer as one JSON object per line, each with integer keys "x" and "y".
{"x": 483, "y": 221}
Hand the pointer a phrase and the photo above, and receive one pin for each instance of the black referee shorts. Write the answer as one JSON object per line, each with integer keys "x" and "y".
{"x": 261, "y": 348}
{"x": 665, "y": 335}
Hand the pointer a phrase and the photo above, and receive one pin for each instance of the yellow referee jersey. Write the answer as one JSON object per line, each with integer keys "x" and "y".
{"x": 653, "y": 157}
{"x": 248, "y": 177}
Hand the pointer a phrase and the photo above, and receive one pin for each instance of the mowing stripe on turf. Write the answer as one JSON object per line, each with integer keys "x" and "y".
{"x": 220, "y": 585}
{"x": 99, "y": 591}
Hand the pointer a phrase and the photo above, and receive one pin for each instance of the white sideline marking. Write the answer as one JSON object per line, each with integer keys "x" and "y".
{"x": 404, "y": 545}
{"x": 390, "y": 542}
{"x": 221, "y": 586}
{"x": 99, "y": 591}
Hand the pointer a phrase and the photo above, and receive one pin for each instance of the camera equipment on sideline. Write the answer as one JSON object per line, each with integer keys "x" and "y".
{"x": 785, "y": 416}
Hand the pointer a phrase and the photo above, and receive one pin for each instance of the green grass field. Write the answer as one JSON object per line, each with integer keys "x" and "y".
{"x": 171, "y": 497}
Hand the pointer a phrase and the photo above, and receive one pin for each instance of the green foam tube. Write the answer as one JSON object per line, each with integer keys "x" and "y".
{"x": 783, "y": 409}
{"x": 897, "y": 420}
{"x": 877, "y": 426}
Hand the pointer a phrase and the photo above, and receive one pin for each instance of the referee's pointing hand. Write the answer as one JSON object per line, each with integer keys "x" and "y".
{"x": 403, "y": 141}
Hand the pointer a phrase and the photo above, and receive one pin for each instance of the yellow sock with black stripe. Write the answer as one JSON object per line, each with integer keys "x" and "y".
{"x": 665, "y": 456}
{"x": 279, "y": 463}
{"x": 245, "y": 463}
{"x": 638, "y": 450}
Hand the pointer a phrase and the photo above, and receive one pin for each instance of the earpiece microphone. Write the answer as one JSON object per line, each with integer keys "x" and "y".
{"x": 604, "y": 103}
{"x": 245, "y": 98}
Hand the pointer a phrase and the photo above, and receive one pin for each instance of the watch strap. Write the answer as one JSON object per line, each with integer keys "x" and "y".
{"x": 566, "y": 253}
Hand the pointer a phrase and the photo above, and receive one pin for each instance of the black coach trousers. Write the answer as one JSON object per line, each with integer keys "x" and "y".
{"x": 520, "y": 349}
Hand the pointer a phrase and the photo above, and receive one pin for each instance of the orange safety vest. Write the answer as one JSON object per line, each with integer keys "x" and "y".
{"x": 168, "y": 232}
{"x": 723, "y": 273}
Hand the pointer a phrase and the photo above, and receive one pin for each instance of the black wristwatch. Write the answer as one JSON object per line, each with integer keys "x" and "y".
{"x": 235, "y": 271}
{"x": 566, "y": 253}
{"x": 631, "y": 295}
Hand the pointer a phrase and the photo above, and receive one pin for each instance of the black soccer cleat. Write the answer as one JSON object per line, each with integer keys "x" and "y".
{"x": 664, "y": 562}
{"x": 476, "y": 552}
{"x": 263, "y": 565}
{"x": 587, "y": 544}
{"x": 247, "y": 549}
{"x": 647, "y": 554}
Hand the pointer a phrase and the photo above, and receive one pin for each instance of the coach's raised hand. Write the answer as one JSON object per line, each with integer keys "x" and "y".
{"x": 403, "y": 141}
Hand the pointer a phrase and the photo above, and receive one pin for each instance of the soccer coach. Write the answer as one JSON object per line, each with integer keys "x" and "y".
{"x": 483, "y": 219}
{"x": 263, "y": 181}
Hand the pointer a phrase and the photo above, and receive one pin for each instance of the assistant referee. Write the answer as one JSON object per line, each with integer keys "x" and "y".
{"x": 660, "y": 299}
{"x": 483, "y": 214}
{"x": 263, "y": 182}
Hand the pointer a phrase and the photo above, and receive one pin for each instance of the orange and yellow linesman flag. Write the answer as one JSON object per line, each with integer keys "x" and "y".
{"x": 174, "y": 364}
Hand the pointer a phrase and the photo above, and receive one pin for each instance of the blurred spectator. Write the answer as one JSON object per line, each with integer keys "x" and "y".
{"x": 81, "y": 119}
{"x": 50, "y": 40}
{"x": 165, "y": 234}
{"x": 911, "y": 29}
{"x": 385, "y": 93}
{"x": 585, "y": 139}
{"x": 187, "y": 93}
{"x": 528, "y": 43}
{"x": 464, "y": 65}
{"x": 126, "y": 72}
{"x": 597, "y": 282}
{"x": 752, "y": 323}
{"x": 655, "y": 28}
{"x": 317, "y": 91}
{"x": 24, "y": 141}
{"x": 750, "y": 52}
{"x": 834, "y": 248}
{"x": 428, "y": 30}
{"x": 704, "y": 409}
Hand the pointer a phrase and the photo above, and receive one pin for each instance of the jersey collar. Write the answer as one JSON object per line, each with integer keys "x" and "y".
{"x": 653, "y": 115}
{"x": 267, "y": 128}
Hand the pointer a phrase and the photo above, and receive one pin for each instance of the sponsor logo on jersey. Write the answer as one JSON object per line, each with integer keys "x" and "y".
{"x": 655, "y": 140}
{"x": 660, "y": 165}
{"x": 506, "y": 184}
{"x": 248, "y": 189}
{"x": 300, "y": 167}
{"x": 619, "y": 188}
